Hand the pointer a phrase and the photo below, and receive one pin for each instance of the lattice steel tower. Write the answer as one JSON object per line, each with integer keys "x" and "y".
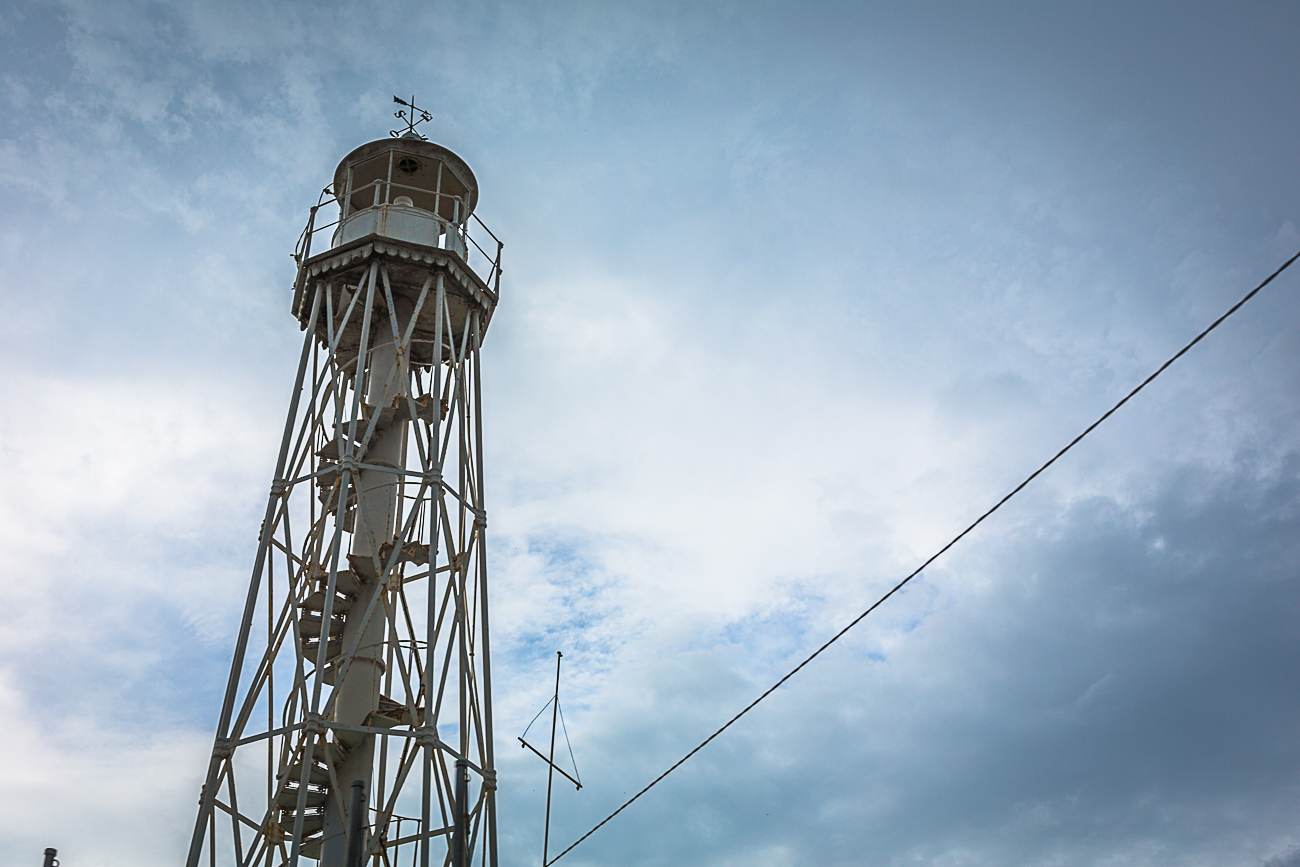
{"x": 357, "y": 720}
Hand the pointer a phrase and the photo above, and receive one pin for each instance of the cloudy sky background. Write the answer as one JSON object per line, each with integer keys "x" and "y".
{"x": 792, "y": 294}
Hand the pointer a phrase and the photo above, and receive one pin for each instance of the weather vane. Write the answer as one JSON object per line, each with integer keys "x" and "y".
{"x": 411, "y": 116}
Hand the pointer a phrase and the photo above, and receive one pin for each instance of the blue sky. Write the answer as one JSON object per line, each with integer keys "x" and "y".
{"x": 792, "y": 293}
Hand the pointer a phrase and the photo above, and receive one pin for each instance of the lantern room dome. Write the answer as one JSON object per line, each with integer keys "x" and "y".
{"x": 433, "y": 177}
{"x": 407, "y": 189}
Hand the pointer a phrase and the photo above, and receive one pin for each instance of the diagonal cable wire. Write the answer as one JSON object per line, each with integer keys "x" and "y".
{"x": 919, "y": 569}
{"x": 539, "y": 713}
{"x": 569, "y": 745}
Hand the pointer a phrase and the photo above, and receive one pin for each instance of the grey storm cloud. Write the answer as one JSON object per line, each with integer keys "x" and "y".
{"x": 1115, "y": 690}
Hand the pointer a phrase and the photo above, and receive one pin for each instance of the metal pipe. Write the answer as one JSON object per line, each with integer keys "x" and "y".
{"x": 49, "y": 858}
{"x": 431, "y": 622}
{"x": 489, "y": 761}
{"x": 356, "y": 807}
{"x": 460, "y": 810}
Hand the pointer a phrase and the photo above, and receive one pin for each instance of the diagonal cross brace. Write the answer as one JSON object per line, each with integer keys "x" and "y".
{"x": 524, "y": 743}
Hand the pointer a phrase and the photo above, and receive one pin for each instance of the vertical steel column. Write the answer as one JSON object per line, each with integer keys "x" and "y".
{"x": 480, "y": 524}
{"x": 550, "y": 760}
{"x": 428, "y": 738}
{"x": 356, "y": 823}
{"x": 460, "y": 815}
{"x": 460, "y": 806}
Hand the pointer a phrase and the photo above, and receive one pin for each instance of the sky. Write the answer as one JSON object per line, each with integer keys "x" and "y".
{"x": 792, "y": 293}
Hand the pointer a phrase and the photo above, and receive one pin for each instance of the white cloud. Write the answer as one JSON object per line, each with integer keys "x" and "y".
{"x": 101, "y": 797}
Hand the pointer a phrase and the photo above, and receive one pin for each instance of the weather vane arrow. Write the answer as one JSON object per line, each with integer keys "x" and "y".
{"x": 411, "y": 115}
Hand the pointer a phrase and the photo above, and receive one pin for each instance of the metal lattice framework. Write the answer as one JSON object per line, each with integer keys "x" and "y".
{"x": 362, "y": 656}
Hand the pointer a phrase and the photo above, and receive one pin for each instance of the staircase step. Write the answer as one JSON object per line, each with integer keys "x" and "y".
{"x": 335, "y": 753}
{"x": 363, "y": 567}
{"x": 311, "y": 647}
{"x": 316, "y": 602}
{"x": 391, "y": 713}
{"x": 414, "y": 552}
{"x": 328, "y": 496}
{"x": 346, "y": 582}
{"x": 312, "y": 823}
{"x": 390, "y": 707}
{"x": 423, "y": 408}
{"x": 289, "y": 797}
{"x": 310, "y": 624}
{"x": 320, "y": 775}
{"x": 333, "y": 450}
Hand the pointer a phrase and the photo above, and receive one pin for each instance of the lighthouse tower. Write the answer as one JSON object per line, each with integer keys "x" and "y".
{"x": 356, "y": 726}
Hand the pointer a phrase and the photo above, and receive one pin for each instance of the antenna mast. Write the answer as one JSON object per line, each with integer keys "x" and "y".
{"x": 550, "y": 762}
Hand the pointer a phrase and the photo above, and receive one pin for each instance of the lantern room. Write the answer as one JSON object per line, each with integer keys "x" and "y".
{"x": 407, "y": 189}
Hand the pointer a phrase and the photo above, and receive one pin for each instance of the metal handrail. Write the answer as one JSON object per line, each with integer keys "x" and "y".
{"x": 438, "y": 195}
{"x": 477, "y": 247}
{"x": 486, "y": 229}
{"x": 302, "y": 250}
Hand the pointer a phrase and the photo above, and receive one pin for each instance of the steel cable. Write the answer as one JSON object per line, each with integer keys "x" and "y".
{"x": 899, "y": 586}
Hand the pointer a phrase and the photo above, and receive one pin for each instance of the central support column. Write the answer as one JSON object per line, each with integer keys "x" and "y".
{"x": 358, "y": 691}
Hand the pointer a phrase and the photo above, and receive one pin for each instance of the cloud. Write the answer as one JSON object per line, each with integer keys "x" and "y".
{"x": 1093, "y": 699}
{"x": 790, "y": 297}
{"x": 120, "y": 788}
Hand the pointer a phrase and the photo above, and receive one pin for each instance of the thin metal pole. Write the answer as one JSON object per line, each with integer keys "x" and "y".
{"x": 460, "y": 813}
{"x": 388, "y": 181}
{"x": 480, "y": 521}
{"x": 431, "y": 623}
{"x": 460, "y": 807}
{"x": 355, "y": 824}
{"x": 550, "y": 762}
{"x": 270, "y": 672}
